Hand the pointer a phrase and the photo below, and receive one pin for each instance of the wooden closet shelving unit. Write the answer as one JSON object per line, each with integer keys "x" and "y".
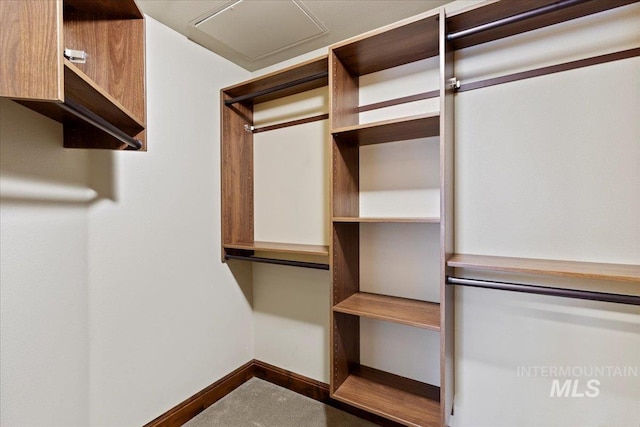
{"x": 110, "y": 85}
{"x": 237, "y": 104}
{"x": 430, "y": 35}
{"x": 400, "y": 399}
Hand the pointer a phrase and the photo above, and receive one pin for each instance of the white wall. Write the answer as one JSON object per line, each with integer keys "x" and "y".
{"x": 44, "y": 351}
{"x": 549, "y": 168}
{"x": 167, "y": 318}
{"x": 115, "y": 305}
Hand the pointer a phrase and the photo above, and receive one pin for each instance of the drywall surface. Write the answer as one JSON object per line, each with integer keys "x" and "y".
{"x": 291, "y": 204}
{"x": 167, "y": 318}
{"x": 549, "y": 168}
{"x": 115, "y": 305}
{"x": 44, "y": 334}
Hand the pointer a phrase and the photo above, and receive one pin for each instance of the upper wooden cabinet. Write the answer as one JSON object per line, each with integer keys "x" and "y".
{"x": 101, "y": 102}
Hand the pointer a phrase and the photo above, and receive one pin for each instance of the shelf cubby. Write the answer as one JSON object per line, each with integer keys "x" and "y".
{"x": 110, "y": 85}
{"x": 406, "y": 42}
{"x": 548, "y": 267}
{"x": 421, "y": 314}
{"x": 237, "y": 155}
{"x": 406, "y": 401}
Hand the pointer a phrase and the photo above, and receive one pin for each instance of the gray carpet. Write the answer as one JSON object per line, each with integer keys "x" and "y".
{"x": 258, "y": 403}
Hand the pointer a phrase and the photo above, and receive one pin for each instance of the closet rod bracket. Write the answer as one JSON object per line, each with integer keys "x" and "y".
{"x": 249, "y": 128}
{"x": 454, "y": 83}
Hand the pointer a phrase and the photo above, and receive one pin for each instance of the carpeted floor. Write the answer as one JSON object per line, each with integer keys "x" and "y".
{"x": 258, "y": 403}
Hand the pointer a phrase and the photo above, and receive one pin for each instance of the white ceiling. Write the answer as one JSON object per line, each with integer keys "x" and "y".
{"x": 257, "y": 33}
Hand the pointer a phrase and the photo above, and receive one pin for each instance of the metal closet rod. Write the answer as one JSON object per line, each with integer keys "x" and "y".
{"x": 90, "y": 117}
{"x": 276, "y": 261}
{"x": 277, "y": 88}
{"x": 545, "y": 290}
{"x": 513, "y": 19}
{"x": 253, "y": 129}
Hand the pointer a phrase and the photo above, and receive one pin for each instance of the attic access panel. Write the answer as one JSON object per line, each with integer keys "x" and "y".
{"x": 257, "y": 29}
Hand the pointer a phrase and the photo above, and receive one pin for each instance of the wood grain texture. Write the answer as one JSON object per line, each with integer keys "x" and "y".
{"x": 80, "y": 88}
{"x": 547, "y": 267}
{"x": 420, "y": 126}
{"x": 123, "y": 9}
{"x": 447, "y": 186}
{"x": 427, "y": 220}
{"x": 420, "y": 314}
{"x": 236, "y": 170}
{"x": 116, "y": 58}
{"x": 506, "y": 8}
{"x": 397, "y": 44}
{"x": 31, "y": 50}
{"x": 346, "y": 261}
{"x": 186, "y": 410}
{"x": 289, "y": 248}
{"x": 345, "y": 273}
{"x": 345, "y": 348}
{"x": 345, "y": 179}
{"x": 276, "y": 78}
{"x": 344, "y": 95}
{"x": 400, "y": 399}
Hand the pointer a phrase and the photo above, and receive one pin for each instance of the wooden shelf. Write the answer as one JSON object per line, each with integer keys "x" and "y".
{"x": 546, "y": 267}
{"x": 486, "y": 13}
{"x": 79, "y": 87}
{"x": 420, "y": 314}
{"x": 405, "y": 401}
{"x": 287, "y": 75}
{"x": 406, "y": 41}
{"x": 428, "y": 220}
{"x": 419, "y": 126}
{"x": 289, "y": 248}
{"x": 112, "y": 9}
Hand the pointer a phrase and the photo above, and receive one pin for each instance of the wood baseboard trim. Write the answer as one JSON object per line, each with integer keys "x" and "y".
{"x": 316, "y": 390}
{"x": 184, "y": 411}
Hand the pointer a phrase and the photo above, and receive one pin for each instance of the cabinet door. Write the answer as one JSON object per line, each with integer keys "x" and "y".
{"x": 31, "y": 49}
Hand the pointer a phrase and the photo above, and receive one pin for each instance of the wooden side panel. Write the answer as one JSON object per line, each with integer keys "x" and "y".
{"x": 237, "y": 173}
{"x": 345, "y": 329}
{"x": 446, "y": 224}
{"x": 346, "y": 179}
{"x": 116, "y": 55}
{"x": 31, "y": 49}
{"x": 343, "y": 95}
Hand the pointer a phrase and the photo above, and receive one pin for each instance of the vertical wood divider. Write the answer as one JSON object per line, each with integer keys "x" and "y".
{"x": 446, "y": 222}
{"x": 236, "y": 147}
